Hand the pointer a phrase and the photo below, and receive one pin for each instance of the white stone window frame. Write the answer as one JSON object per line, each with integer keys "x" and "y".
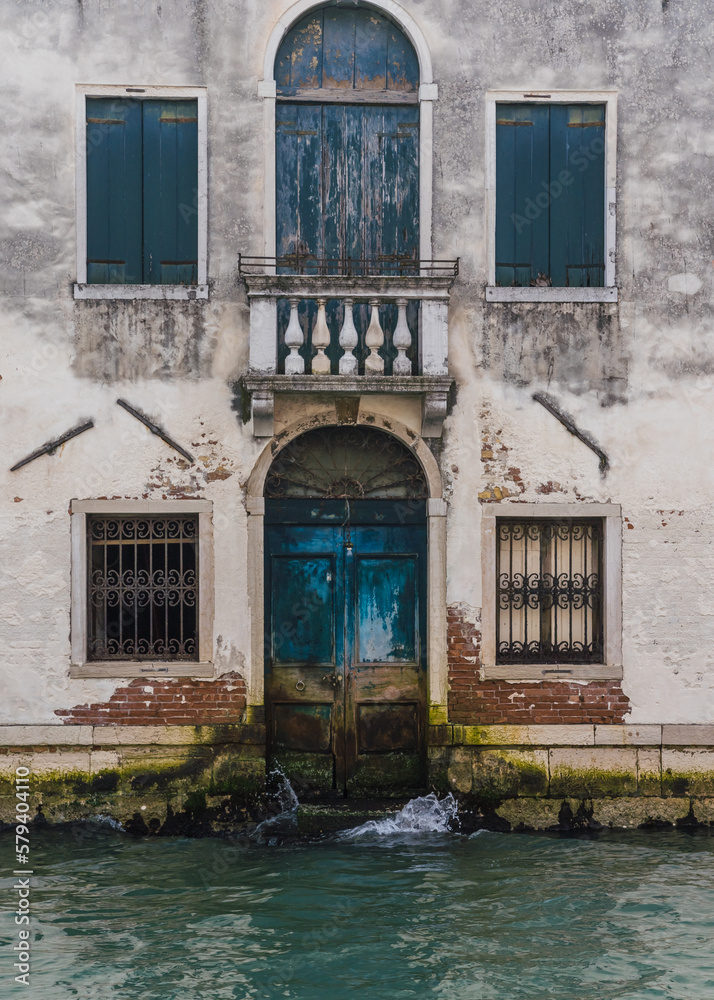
{"x": 80, "y": 666}
{"x": 607, "y": 293}
{"x": 82, "y": 290}
{"x": 428, "y": 94}
{"x": 611, "y": 667}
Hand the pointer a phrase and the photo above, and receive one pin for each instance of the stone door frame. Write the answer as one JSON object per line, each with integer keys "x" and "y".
{"x": 438, "y": 671}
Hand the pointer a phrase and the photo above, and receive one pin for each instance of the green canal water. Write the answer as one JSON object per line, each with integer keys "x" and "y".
{"x": 397, "y": 910}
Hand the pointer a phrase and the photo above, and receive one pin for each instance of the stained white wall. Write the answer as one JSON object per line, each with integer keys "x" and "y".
{"x": 637, "y": 375}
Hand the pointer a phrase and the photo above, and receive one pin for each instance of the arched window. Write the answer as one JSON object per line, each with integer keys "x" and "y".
{"x": 354, "y": 463}
{"x": 347, "y": 144}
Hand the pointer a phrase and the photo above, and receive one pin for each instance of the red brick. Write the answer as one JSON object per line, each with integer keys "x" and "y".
{"x": 170, "y": 702}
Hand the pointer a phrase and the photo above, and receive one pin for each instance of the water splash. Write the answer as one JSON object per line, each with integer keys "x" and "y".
{"x": 101, "y": 820}
{"x": 284, "y": 793}
{"x": 427, "y": 814}
{"x": 285, "y": 803}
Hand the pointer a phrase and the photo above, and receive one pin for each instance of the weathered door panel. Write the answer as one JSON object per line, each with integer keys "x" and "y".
{"x": 347, "y": 187}
{"x": 347, "y": 180}
{"x": 305, "y": 653}
{"x": 386, "y": 678}
{"x": 345, "y": 663}
{"x": 299, "y": 178}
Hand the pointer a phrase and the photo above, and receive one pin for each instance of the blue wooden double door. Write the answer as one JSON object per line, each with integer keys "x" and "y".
{"x": 345, "y": 591}
{"x": 347, "y": 183}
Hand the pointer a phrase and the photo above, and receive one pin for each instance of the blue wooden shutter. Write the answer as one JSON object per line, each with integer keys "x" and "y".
{"x": 550, "y": 194}
{"x": 577, "y": 211}
{"x": 114, "y": 184}
{"x": 298, "y": 180}
{"x": 522, "y": 175}
{"x": 391, "y": 165}
{"x": 170, "y": 192}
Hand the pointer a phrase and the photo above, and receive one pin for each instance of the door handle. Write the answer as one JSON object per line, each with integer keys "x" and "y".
{"x": 334, "y": 678}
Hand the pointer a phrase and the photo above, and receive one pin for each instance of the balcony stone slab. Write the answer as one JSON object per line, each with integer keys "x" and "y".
{"x": 433, "y": 390}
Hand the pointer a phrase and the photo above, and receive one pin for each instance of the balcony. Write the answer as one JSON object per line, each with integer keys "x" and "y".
{"x": 348, "y": 327}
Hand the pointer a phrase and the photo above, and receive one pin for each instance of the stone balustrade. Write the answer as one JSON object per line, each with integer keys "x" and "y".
{"x": 351, "y": 334}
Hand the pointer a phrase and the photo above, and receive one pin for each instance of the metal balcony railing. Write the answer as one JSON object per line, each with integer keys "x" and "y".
{"x": 384, "y": 266}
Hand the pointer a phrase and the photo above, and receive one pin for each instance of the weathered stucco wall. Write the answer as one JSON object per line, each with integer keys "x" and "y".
{"x": 637, "y": 374}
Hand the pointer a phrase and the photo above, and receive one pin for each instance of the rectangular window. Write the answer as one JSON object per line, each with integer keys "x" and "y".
{"x": 552, "y": 591}
{"x": 550, "y": 195}
{"x": 141, "y": 192}
{"x": 142, "y": 588}
{"x": 550, "y": 596}
{"x": 142, "y": 182}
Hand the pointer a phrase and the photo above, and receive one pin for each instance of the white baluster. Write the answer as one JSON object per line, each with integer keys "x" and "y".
{"x": 402, "y": 340}
{"x": 348, "y": 342}
{"x": 374, "y": 365}
{"x": 294, "y": 364}
{"x": 321, "y": 340}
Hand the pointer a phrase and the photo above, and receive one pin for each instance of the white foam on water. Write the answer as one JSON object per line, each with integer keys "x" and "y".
{"x": 427, "y": 814}
{"x": 100, "y": 819}
{"x": 286, "y": 820}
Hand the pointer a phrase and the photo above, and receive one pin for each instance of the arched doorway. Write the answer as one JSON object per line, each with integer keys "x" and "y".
{"x": 345, "y": 613}
{"x": 347, "y": 165}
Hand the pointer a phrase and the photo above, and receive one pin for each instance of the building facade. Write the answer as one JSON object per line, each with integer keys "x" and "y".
{"x": 356, "y": 394}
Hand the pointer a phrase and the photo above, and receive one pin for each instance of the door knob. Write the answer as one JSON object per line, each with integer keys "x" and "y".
{"x": 334, "y": 678}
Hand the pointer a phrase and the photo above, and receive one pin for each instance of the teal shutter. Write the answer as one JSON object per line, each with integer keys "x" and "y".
{"x": 550, "y": 194}
{"x": 577, "y": 213}
{"x": 170, "y": 192}
{"x": 113, "y": 191}
{"x": 299, "y": 180}
{"x": 522, "y": 175}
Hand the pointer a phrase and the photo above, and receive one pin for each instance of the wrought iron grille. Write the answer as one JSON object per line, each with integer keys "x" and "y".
{"x": 143, "y": 588}
{"x": 550, "y": 600}
{"x": 359, "y": 463}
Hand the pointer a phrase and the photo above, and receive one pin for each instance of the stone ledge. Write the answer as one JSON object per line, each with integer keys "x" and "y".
{"x": 635, "y": 736}
{"x": 56, "y": 735}
{"x": 692, "y": 736}
{"x": 543, "y": 736}
{"x": 649, "y": 735}
{"x": 360, "y": 287}
{"x": 73, "y": 736}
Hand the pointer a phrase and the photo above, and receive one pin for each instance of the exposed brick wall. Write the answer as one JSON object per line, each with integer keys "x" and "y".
{"x": 474, "y": 702}
{"x": 175, "y": 701}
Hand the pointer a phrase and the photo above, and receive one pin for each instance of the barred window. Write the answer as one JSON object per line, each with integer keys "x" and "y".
{"x": 142, "y": 587}
{"x": 549, "y": 591}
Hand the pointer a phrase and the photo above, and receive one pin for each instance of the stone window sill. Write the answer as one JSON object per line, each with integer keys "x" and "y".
{"x": 552, "y": 672}
{"x": 494, "y": 293}
{"x": 182, "y": 293}
{"x": 141, "y": 668}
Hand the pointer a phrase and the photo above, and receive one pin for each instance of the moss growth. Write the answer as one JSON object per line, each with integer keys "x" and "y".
{"x": 505, "y": 774}
{"x": 195, "y": 802}
{"x": 592, "y": 783}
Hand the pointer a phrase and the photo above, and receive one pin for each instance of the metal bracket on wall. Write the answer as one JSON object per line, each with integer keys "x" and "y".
{"x": 567, "y": 421}
{"x": 155, "y": 429}
{"x": 51, "y": 447}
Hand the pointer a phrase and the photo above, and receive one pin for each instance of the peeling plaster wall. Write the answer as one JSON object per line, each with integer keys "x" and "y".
{"x": 638, "y": 375}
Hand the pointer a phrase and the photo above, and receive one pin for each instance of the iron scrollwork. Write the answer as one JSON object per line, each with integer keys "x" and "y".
{"x": 143, "y": 588}
{"x": 358, "y": 463}
{"x": 550, "y": 600}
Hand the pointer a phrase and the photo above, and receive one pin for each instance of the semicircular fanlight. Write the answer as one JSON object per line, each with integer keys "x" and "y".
{"x": 355, "y": 462}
